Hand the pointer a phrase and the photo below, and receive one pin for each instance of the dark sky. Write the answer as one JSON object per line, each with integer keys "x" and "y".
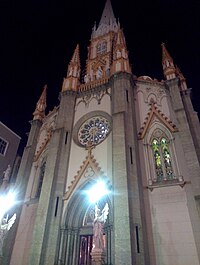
{"x": 37, "y": 40}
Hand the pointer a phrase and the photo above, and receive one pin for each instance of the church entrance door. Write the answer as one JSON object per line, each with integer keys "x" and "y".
{"x": 85, "y": 250}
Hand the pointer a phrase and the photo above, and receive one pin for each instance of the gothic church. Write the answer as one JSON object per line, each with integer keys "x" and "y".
{"x": 139, "y": 135}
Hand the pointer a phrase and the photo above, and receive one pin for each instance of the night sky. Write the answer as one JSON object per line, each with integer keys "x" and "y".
{"x": 37, "y": 40}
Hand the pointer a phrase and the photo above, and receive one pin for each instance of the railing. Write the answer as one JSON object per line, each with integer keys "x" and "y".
{"x": 92, "y": 84}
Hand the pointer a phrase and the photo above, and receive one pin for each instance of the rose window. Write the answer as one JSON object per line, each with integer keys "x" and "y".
{"x": 93, "y": 131}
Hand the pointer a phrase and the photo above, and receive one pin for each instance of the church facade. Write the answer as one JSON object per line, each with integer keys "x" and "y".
{"x": 140, "y": 136}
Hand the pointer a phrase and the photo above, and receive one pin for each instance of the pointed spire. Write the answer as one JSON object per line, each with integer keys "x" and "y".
{"x": 76, "y": 56}
{"x": 108, "y": 14}
{"x": 73, "y": 74}
{"x": 120, "y": 38}
{"x": 168, "y": 64}
{"x": 74, "y": 65}
{"x": 107, "y": 23}
{"x": 120, "y": 55}
{"x": 165, "y": 54}
{"x": 39, "y": 112}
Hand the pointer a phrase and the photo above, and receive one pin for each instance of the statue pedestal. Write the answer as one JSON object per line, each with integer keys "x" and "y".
{"x": 98, "y": 256}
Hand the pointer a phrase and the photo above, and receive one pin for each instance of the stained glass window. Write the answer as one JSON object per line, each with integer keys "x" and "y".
{"x": 94, "y": 131}
{"x": 157, "y": 159}
{"x": 162, "y": 159}
{"x": 166, "y": 159}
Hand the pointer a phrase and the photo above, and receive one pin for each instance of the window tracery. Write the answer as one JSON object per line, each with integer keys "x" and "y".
{"x": 162, "y": 159}
{"x": 94, "y": 131}
{"x": 160, "y": 155}
{"x": 101, "y": 48}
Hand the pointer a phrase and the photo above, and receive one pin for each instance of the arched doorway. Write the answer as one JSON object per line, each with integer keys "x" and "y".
{"x": 77, "y": 231}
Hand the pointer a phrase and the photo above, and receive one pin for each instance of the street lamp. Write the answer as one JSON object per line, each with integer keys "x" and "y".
{"x": 6, "y": 202}
{"x": 97, "y": 191}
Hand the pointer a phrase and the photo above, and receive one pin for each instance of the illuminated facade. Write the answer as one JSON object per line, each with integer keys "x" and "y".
{"x": 141, "y": 136}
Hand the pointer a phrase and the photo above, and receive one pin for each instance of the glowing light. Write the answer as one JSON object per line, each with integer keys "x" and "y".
{"x": 97, "y": 191}
{"x": 6, "y": 202}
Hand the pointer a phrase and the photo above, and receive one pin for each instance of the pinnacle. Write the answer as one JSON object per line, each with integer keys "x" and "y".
{"x": 75, "y": 57}
{"x": 165, "y": 54}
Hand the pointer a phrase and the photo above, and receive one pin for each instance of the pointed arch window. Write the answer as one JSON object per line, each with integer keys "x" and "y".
{"x": 157, "y": 159}
{"x": 167, "y": 159}
{"x": 162, "y": 159}
{"x": 40, "y": 181}
{"x": 160, "y": 156}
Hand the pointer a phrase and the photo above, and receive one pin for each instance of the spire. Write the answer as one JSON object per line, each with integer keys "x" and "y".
{"x": 107, "y": 23}
{"x": 74, "y": 65}
{"x": 39, "y": 112}
{"x": 120, "y": 38}
{"x": 165, "y": 54}
{"x": 73, "y": 74}
{"x": 76, "y": 56}
{"x": 168, "y": 64}
{"x": 120, "y": 55}
{"x": 108, "y": 15}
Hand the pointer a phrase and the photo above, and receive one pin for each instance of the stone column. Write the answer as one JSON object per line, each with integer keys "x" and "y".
{"x": 74, "y": 259}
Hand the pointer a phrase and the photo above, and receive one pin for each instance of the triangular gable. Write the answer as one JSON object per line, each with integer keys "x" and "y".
{"x": 89, "y": 169}
{"x": 43, "y": 145}
{"x": 154, "y": 111}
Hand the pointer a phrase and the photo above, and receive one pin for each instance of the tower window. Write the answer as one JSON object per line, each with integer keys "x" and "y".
{"x": 3, "y": 146}
{"x": 162, "y": 159}
{"x": 101, "y": 48}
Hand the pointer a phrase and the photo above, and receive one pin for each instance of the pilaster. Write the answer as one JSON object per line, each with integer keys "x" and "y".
{"x": 192, "y": 172}
{"x": 126, "y": 201}
{"x": 21, "y": 184}
{"x": 47, "y": 226}
{"x": 193, "y": 120}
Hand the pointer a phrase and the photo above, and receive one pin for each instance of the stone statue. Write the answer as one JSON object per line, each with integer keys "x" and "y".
{"x": 4, "y": 228}
{"x": 99, "y": 73}
{"x": 98, "y": 223}
{"x": 86, "y": 78}
{"x": 6, "y": 173}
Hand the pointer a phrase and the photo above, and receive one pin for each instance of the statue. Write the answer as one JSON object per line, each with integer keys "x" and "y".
{"x": 99, "y": 73}
{"x": 86, "y": 78}
{"x": 99, "y": 220}
{"x": 6, "y": 173}
{"x": 6, "y": 178}
{"x": 4, "y": 228}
